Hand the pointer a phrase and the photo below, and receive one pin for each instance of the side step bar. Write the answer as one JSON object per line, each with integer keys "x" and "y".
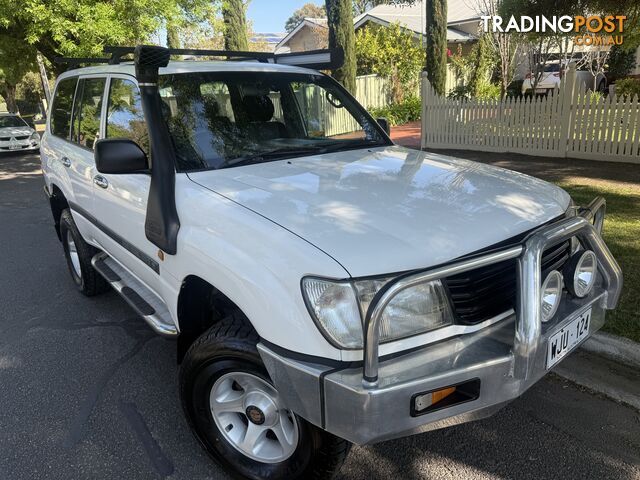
{"x": 139, "y": 297}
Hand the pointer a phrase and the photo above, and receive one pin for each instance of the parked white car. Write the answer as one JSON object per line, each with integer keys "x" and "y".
{"x": 324, "y": 287}
{"x": 551, "y": 76}
{"x": 16, "y": 134}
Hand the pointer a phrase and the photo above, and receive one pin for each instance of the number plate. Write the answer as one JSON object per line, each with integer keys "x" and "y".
{"x": 564, "y": 340}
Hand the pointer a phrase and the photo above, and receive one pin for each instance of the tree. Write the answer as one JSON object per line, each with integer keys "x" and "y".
{"x": 308, "y": 10}
{"x": 436, "y": 44}
{"x": 16, "y": 59}
{"x": 235, "y": 25}
{"x": 81, "y": 28}
{"x": 391, "y": 52}
{"x": 506, "y": 46}
{"x": 341, "y": 35}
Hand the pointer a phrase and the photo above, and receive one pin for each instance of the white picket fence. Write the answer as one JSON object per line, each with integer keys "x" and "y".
{"x": 567, "y": 123}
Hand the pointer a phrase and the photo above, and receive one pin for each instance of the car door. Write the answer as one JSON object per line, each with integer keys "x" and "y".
{"x": 86, "y": 130}
{"x": 74, "y": 128}
{"x": 120, "y": 201}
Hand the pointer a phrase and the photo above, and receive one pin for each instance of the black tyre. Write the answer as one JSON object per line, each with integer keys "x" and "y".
{"x": 234, "y": 410}
{"x": 79, "y": 254}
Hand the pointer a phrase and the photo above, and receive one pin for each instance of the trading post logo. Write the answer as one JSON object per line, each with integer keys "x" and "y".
{"x": 592, "y": 30}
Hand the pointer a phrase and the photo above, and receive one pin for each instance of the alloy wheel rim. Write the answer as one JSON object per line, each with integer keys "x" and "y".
{"x": 73, "y": 255}
{"x": 249, "y": 414}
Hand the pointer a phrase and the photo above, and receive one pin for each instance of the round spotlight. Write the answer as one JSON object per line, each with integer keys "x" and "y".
{"x": 580, "y": 273}
{"x": 550, "y": 295}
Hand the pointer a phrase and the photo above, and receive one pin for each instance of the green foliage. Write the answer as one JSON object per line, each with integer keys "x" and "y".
{"x": 391, "y": 52}
{"x": 628, "y": 87}
{"x": 436, "y": 61}
{"x": 515, "y": 88}
{"x": 81, "y": 28}
{"x": 486, "y": 91}
{"x": 400, "y": 113}
{"x": 235, "y": 25}
{"x": 621, "y": 61}
{"x": 29, "y": 93}
{"x": 308, "y": 10}
{"x": 16, "y": 59}
{"x": 340, "y": 19}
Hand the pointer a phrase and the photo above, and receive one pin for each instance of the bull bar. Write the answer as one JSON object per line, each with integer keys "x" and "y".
{"x": 367, "y": 404}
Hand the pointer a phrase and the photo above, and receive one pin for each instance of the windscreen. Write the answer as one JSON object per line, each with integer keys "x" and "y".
{"x": 227, "y": 119}
{"x": 11, "y": 121}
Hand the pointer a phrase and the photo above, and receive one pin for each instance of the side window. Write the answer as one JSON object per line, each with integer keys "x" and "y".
{"x": 85, "y": 128}
{"x": 124, "y": 113}
{"x": 62, "y": 106}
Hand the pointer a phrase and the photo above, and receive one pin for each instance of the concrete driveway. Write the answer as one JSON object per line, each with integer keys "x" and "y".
{"x": 88, "y": 391}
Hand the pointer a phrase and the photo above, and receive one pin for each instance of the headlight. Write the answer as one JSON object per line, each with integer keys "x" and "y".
{"x": 34, "y": 137}
{"x": 340, "y": 307}
{"x": 334, "y": 307}
{"x": 550, "y": 295}
{"x": 580, "y": 273}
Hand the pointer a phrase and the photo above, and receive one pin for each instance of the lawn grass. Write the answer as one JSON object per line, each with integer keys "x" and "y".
{"x": 622, "y": 234}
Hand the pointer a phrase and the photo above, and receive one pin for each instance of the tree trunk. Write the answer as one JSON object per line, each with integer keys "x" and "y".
{"x": 235, "y": 25}
{"x": 436, "y": 63}
{"x": 341, "y": 34}
{"x": 9, "y": 95}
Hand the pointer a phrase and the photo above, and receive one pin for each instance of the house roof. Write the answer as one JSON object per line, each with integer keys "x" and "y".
{"x": 307, "y": 21}
{"x": 458, "y": 11}
{"x": 412, "y": 18}
{"x": 409, "y": 16}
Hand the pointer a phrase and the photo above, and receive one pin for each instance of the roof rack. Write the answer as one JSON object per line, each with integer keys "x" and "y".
{"x": 314, "y": 59}
{"x": 75, "y": 62}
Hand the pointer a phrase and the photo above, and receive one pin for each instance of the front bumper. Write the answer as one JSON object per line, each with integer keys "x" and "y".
{"x": 19, "y": 145}
{"x": 372, "y": 402}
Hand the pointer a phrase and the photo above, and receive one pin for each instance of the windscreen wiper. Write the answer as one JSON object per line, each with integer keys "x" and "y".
{"x": 271, "y": 155}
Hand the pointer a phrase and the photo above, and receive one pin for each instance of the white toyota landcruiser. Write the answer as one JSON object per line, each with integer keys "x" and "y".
{"x": 325, "y": 286}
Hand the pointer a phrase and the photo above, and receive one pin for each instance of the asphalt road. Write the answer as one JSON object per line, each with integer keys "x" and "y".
{"x": 88, "y": 391}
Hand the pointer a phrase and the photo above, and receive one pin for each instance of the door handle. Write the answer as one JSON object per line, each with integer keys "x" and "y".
{"x": 100, "y": 181}
{"x": 65, "y": 161}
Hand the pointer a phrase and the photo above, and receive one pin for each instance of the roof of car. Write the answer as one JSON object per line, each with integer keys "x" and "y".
{"x": 191, "y": 66}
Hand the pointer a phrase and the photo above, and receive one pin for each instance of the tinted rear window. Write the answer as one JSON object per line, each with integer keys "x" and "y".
{"x": 61, "y": 108}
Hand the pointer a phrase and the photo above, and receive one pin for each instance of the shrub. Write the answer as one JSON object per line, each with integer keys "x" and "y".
{"x": 628, "y": 86}
{"x": 390, "y": 52}
{"x": 488, "y": 91}
{"x": 484, "y": 91}
{"x": 515, "y": 88}
{"x": 400, "y": 113}
{"x": 460, "y": 92}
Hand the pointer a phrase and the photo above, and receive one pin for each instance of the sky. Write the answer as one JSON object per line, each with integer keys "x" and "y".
{"x": 270, "y": 16}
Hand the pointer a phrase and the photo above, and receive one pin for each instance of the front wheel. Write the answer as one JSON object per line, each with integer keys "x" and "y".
{"x": 78, "y": 254}
{"x": 239, "y": 417}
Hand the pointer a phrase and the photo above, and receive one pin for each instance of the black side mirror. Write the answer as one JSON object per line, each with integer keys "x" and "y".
{"x": 384, "y": 123}
{"x": 119, "y": 155}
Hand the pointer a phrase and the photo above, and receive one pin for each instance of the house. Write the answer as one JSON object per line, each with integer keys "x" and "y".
{"x": 309, "y": 34}
{"x": 463, "y": 24}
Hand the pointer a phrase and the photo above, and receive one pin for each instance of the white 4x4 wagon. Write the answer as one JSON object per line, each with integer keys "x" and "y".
{"x": 325, "y": 286}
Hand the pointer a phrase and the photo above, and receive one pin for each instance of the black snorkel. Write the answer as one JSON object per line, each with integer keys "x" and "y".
{"x": 162, "y": 222}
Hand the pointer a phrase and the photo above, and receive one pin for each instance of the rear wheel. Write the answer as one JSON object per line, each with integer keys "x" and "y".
{"x": 239, "y": 416}
{"x": 79, "y": 254}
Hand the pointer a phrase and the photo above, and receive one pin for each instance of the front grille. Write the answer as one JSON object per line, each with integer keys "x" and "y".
{"x": 486, "y": 292}
{"x": 19, "y": 137}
